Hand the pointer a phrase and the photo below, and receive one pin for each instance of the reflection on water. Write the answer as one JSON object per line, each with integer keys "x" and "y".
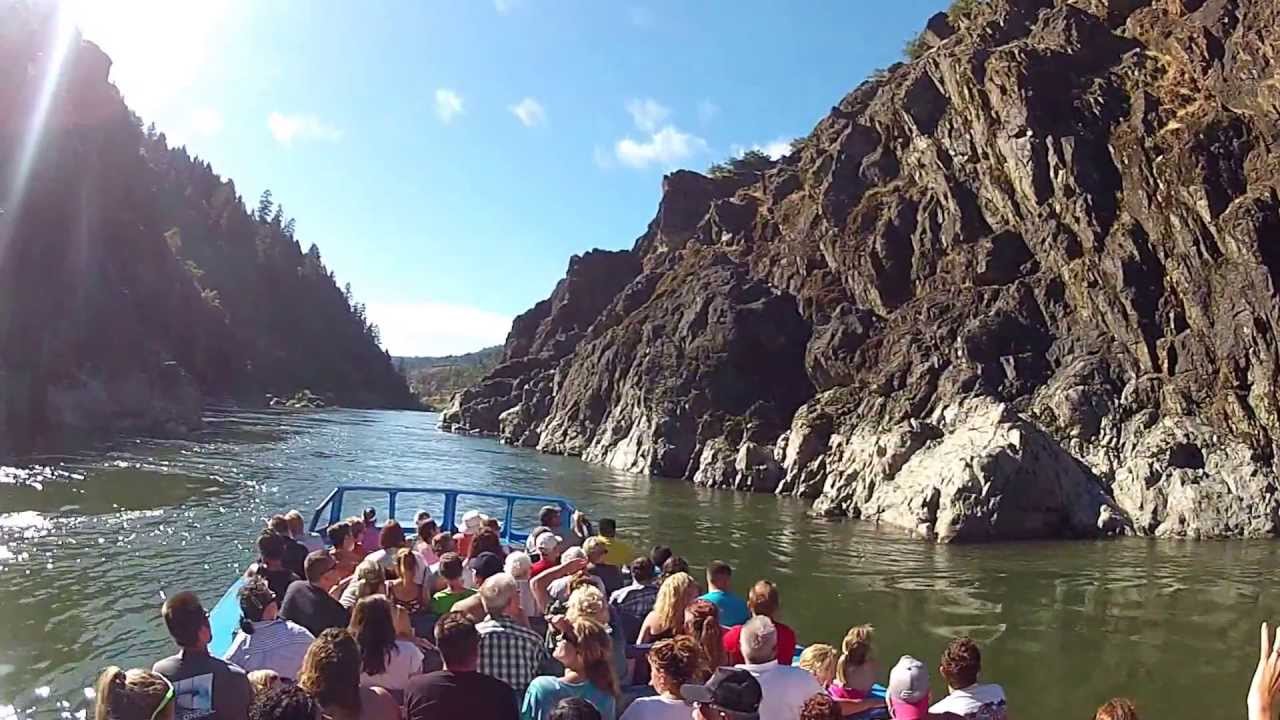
{"x": 91, "y": 543}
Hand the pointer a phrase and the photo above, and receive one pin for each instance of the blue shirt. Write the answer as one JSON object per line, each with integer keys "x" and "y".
{"x": 545, "y": 692}
{"x": 733, "y": 609}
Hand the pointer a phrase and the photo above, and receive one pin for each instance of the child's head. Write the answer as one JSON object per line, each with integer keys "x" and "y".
{"x": 820, "y": 661}
{"x": 855, "y": 651}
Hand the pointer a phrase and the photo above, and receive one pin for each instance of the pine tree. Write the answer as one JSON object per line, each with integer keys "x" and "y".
{"x": 289, "y": 227}
{"x": 264, "y": 206}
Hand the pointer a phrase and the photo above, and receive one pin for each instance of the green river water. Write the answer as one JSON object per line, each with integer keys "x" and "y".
{"x": 89, "y": 543}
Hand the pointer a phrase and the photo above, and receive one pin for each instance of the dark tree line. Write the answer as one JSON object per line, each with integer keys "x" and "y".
{"x": 121, "y": 255}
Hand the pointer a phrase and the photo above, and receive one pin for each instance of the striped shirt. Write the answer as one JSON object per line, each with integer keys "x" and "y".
{"x": 634, "y": 600}
{"x": 510, "y": 652}
{"x": 274, "y": 645}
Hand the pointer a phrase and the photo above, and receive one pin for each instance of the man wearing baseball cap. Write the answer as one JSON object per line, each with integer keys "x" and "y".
{"x": 730, "y": 694}
{"x": 483, "y": 566}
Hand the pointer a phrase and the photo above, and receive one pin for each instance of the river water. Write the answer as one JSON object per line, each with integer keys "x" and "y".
{"x": 90, "y": 543}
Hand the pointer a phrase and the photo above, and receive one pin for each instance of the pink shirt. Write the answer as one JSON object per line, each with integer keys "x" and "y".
{"x": 840, "y": 692}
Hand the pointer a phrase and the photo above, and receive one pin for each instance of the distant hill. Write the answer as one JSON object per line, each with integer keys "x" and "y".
{"x": 435, "y": 379}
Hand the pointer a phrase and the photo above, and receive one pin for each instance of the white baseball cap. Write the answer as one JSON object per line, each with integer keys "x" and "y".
{"x": 547, "y": 541}
{"x": 908, "y": 691}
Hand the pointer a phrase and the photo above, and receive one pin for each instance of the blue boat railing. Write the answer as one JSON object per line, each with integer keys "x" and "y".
{"x": 331, "y": 509}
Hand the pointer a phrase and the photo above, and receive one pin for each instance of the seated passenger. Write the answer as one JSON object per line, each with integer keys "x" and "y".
{"x": 203, "y": 685}
{"x": 673, "y": 664}
{"x": 133, "y": 695}
{"x": 733, "y": 609}
{"x": 370, "y": 579}
{"x": 331, "y": 676}
{"x": 385, "y": 660}
{"x": 659, "y": 556}
{"x": 295, "y": 553}
{"x": 702, "y": 621}
{"x": 343, "y": 550}
{"x": 610, "y": 575}
{"x": 575, "y": 708}
{"x": 584, "y": 650}
{"x": 763, "y": 600}
{"x": 519, "y": 567}
{"x": 299, "y": 532}
{"x": 674, "y": 564}
{"x": 357, "y": 532}
{"x": 634, "y": 602}
{"x": 667, "y": 619}
{"x": 819, "y": 659}
{"x": 390, "y": 540}
{"x": 409, "y": 593}
{"x": 262, "y": 681}
{"x": 484, "y": 566}
{"x": 440, "y": 544}
{"x": 547, "y": 546}
{"x": 266, "y": 641}
{"x": 427, "y": 531}
{"x": 458, "y": 691}
{"x": 856, "y": 672}
{"x": 271, "y": 563}
{"x": 509, "y": 651}
{"x": 908, "y": 691}
{"x": 730, "y": 694}
{"x": 961, "y": 664}
{"x": 284, "y": 702}
{"x": 369, "y": 539}
{"x": 587, "y": 602}
{"x": 552, "y": 586}
{"x": 472, "y": 522}
{"x": 617, "y": 552}
{"x": 450, "y": 570}
{"x": 784, "y": 688}
{"x": 309, "y": 602}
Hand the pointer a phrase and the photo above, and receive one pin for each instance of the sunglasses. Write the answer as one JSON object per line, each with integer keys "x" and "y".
{"x": 168, "y": 698}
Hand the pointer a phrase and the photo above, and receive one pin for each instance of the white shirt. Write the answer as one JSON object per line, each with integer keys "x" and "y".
{"x": 976, "y": 702}
{"x": 405, "y": 662}
{"x": 784, "y": 689}
{"x": 274, "y": 645}
{"x": 658, "y": 708}
{"x": 528, "y": 605}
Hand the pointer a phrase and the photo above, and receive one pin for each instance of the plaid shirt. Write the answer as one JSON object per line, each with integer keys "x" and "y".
{"x": 634, "y": 600}
{"x": 510, "y": 652}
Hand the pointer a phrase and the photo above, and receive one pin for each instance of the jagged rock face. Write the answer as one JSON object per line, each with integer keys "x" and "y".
{"x": 1036, "y": 272}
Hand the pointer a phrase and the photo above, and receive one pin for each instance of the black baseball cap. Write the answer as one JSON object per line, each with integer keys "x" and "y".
{"x": 486, "y": 564}
{"x": 735, "y": 692}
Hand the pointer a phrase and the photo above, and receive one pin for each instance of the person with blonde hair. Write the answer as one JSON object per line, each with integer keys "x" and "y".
{"x": 666, "y": 620}
{"x": 331, "y": 675}
{"x": 856, "y": 672}
{"x": 588, "y": 602}
{"x": 262, "y": 681}
{"x": 673, "y": 664}
{"x": 702, "y": 620}
{"x": 133, "y": 695}
{"x": 584, "y": 650}
{"x": 408, "y": 591}
{"x": 1117, "y": 709}
{"x": 820, "y": 660}
{"x": 370, "y": 579}
{"x": 520, "y": 567}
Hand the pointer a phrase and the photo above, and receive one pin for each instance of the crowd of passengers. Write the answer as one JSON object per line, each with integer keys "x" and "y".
{"x": 379, "y": 625}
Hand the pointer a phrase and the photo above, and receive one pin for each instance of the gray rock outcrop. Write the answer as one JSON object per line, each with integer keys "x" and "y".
{"x": 1023, "y": 286}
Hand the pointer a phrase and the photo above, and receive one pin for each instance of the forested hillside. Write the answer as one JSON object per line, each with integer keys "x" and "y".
{"x": 434, "y": 380}
{"x": 134, "y": 283}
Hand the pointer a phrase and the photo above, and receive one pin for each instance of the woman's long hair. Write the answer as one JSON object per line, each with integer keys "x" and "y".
{"x": 672, "y": 600}
{"x": 130, "y": 694}
{"x": 855, "y": 650}
{"x": 704, "y": 627}
{"x": 331, "y": 671}
{"x": 374, "y": 629}
{"x": 595, "y": 650}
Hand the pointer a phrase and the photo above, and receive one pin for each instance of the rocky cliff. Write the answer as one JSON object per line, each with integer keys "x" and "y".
{"x": 1022, "y": 286}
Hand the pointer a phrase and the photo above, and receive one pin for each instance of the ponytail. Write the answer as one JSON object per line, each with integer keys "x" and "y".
{"x": 130, "y": 695}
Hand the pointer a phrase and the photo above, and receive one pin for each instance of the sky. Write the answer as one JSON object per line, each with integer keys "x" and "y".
{"x": 449, "y": 157}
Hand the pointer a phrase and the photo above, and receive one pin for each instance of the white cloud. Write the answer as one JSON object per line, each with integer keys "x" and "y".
{"x": 666, "y": 148}
{"x": 775, "y": 149}
{"x": 530, "y": 112}
{"x": 433, "y": 328}
{"x": 288, "y": 128}
{"x": 206, "y": 121}
{"x": 707, "y": 111}
{"x": 648, "y": 113}
{"x": 448, "y": 105}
